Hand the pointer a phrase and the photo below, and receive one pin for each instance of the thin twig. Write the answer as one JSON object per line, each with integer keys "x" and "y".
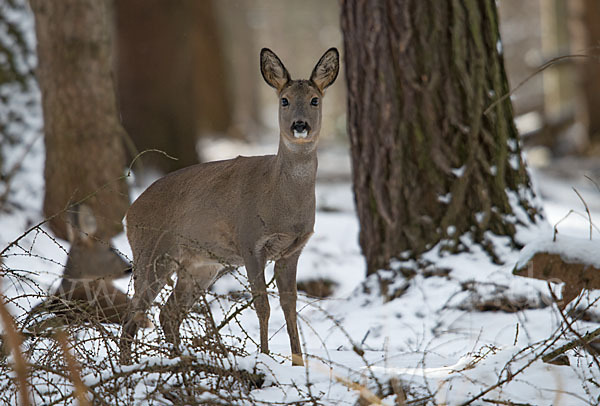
{"x": 582, "y": 340}
{"x": 555, "y": 228}
{"x": 587, "y": 210}
{"x": 528, "y": 78}
{"x": 142, "y": 153}
{"x": 593, "y": 181}
{"x": 585, "y": 339}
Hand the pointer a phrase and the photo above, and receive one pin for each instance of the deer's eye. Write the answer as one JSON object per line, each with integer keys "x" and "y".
{"x": 314, "y": 101}
{"x": 284, "y": 102}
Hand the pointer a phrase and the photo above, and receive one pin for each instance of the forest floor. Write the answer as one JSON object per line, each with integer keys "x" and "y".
{"x": 461, "y": 330}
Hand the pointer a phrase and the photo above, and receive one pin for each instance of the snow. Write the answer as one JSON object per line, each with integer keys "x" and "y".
{"x": 445, "y": 198}
{"x": 514, "y": 161}
{"x": 527, "y": 123}
{"x": 570, "y": 249}
{"x": 458, "y": 172}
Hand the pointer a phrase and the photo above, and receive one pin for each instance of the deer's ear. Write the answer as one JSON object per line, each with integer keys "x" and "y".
{"x": 326, "y": 70}
{"x": 272, "y": 69}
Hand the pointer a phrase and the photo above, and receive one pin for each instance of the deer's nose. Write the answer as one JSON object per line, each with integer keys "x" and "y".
{"x": 299, "y": 126}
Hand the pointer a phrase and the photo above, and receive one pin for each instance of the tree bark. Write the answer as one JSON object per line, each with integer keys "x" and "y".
{"x": 83, "y": 137}
{"x": 589, "y": 69}
{"x": 430, "y": 165}
{"x": 172, "y": 84}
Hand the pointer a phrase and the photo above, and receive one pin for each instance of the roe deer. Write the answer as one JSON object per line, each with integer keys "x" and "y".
{"x": 86, "y": 286}
{"x": 208, "y": 217}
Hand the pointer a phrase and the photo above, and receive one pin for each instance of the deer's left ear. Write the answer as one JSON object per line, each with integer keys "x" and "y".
{"x": 326, "y": 70}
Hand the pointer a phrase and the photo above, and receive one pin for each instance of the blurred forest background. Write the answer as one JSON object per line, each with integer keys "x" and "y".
{"x": 188, "y": 71}
{"x": 208, "y": 52}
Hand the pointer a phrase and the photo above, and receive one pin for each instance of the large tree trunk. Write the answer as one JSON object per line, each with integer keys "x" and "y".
{"x": 429, "y": 164}
{"x": 84, "y": 150}
{"x": 171, "y": 75}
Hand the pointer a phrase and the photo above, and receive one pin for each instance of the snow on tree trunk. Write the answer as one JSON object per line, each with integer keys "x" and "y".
{"x": 429, "y": 163}
{"x": 83, "y": 136}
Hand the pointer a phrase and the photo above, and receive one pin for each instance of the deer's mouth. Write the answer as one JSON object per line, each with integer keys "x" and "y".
{"x": 302, "y": 137}
{"x": 300, "y": 129}
{"x": 301, "y": 134}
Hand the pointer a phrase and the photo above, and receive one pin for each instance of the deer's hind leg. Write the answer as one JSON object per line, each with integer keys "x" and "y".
{"x": 193, "y": 278}
{"x": 148, "y": 282}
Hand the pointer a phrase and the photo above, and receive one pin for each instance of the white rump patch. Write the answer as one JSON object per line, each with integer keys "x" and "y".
{"x": 302, "y": 135}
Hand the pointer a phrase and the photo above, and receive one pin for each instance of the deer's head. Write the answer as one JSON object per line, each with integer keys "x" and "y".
{"x": 89, "y": 257}
{"x": 299, "y": 100}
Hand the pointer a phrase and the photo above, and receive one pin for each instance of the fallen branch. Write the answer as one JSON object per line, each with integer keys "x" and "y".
{"x": 584, "y": 340}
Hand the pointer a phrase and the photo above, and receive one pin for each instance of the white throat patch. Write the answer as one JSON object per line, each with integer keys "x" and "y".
{"x": 302, "y": 135}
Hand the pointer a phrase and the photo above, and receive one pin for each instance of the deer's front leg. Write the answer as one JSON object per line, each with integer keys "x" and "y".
{"x": 255, "y": 268}
{"x": 285, "y": 275}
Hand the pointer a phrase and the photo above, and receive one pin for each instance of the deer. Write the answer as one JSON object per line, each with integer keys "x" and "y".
{"x": 86, "y": 291}
{"x": 202, "y": 220}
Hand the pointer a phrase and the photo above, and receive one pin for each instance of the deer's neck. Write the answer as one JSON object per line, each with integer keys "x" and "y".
{"x": 297, "y": 163}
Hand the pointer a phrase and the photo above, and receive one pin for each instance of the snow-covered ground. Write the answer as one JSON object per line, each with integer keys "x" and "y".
{"x": 431, "y": 338}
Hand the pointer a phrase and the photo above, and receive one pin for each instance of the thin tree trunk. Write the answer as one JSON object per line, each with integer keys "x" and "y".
{"x": 84, "y": 140}
{"x": 590, "y": 69}
{"x": 429, "y": 164}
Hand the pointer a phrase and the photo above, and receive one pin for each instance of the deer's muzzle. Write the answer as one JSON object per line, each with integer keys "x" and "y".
{"x": 300, "y": 129}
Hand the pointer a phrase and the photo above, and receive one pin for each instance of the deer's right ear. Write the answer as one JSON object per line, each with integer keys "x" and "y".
{"x": 272, "y": 69}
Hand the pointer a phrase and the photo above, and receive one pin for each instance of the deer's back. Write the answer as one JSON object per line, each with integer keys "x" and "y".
{"x": 201, "y": 207}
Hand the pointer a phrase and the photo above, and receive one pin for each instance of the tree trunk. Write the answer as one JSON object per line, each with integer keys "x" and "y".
{"x": 240, "y": 48}
{"x": 171, "y": 77}
{"x": 429, "y": 163}
{"x": 589, "y": 68}
{"x": 84, "y": 140}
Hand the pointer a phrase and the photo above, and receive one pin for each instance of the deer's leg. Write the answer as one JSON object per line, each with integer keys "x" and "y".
{"x": 192, "y": 280}
{"x": 285, "y": 275}
{"x": 148, "y": 283}
{"x": 255, "y": 268}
